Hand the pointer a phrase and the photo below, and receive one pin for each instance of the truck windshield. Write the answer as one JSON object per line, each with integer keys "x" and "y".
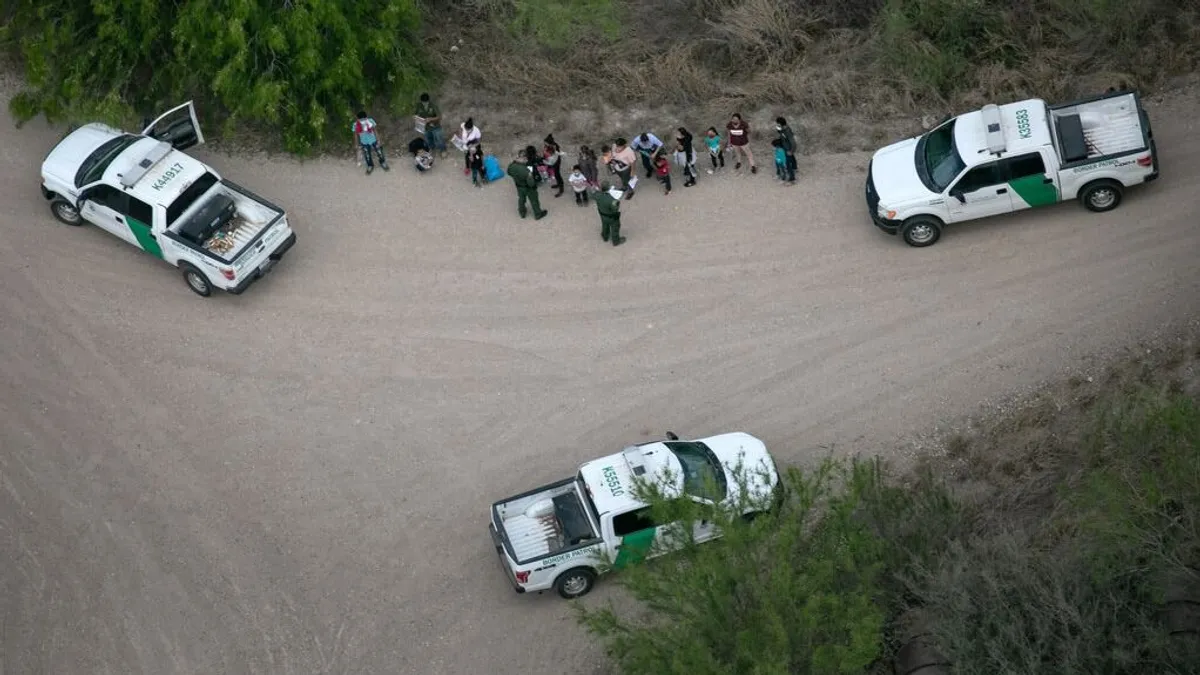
{"x": 938, "y": 161}
{"x": 703, "y": 475}
{"x": 92, "y": 169}
{"x": 189, "y": 196}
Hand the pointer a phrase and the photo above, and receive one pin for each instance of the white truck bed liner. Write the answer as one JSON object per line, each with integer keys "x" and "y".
{"x": 1110, "y": 126}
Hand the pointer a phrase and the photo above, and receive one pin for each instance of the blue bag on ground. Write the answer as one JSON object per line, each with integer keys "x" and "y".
{"x": 491, "y": 168}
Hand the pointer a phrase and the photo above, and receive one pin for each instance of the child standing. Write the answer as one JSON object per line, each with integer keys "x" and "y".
{"x": 780, "y": 159}
{"x": 663, "y": 168}
{"x": 366, "y": 135}
{"x": 589, "y": 165}
{"x": 716, "y": 151}
{"x": 475, "y": 161}
{"x": 579, "y": 183}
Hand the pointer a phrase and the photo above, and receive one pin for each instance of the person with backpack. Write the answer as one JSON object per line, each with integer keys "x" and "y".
{"x": 366, "y": 136}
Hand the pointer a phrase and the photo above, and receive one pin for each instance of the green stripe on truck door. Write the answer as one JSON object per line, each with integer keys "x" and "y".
{"x": 634, "y": 547}
{"x": 144, "y": 238}
{"x": 1035, "y": 190}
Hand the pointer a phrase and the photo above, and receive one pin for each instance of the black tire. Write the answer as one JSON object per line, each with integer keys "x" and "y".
{"x": 65, "y": 212}
{"x": 921, "y": 231}
{"x": 1101, "y": 195}
{"x": 575, "y": 583}
{"x": 196, "y": 280}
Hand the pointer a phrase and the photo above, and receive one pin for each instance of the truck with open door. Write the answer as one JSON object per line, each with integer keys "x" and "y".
{"x": 146, "y": 191}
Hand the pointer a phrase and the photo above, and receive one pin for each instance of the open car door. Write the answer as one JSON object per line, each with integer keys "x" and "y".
{"x": 178, "y": 126}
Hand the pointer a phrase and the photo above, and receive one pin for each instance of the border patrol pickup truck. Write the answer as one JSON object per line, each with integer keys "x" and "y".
{"x": 145, "y": 190}
{"x": 1011, "y": 157}
{"x": 565, "y": 534}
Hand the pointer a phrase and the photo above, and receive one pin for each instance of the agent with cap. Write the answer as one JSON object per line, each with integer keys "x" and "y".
{"x": 608, "y": 204}
{"x": 518, "y": 170}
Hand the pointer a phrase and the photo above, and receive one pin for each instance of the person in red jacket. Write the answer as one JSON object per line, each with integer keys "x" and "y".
{"x": 662, "y": 167}
{"x": 739, "y": 140}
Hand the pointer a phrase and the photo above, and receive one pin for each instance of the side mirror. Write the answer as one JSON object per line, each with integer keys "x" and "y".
{"x": 671, "y": 436}
{"x": 958, "y": 194}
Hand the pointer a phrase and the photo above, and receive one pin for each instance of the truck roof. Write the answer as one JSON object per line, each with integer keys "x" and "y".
{"x": 154, "y": 172}
{"x": 141, "y": 168}
{"x": 1023, "y": 126}
{"x": 610, "y": 480}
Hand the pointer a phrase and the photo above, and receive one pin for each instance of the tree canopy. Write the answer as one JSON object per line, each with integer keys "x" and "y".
{"x": 298, "y": 66}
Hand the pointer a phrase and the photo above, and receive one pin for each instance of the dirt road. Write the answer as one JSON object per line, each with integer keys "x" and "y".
{"x": 296, "y": 480}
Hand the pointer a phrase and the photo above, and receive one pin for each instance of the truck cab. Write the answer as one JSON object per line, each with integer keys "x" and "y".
{"x": 143, "y": 189}
{"x": 564, "y": 535}
{"x": 1005, "y": 158}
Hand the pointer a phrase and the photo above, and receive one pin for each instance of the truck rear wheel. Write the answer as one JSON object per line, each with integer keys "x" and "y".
{"x": 575, "y": 583}
{"x": 921, "y": 231}
{"x": 196, "y": 280}
{"x": 65, "y": 212}
{"x": 1101, "y": 195}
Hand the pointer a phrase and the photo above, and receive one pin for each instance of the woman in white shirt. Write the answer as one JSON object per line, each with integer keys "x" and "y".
{"x": 469, "y": 135}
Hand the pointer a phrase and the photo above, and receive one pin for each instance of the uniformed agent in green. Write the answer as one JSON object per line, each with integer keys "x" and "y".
{"x": 610, "y": 215}
{"x": 518, "y": 170}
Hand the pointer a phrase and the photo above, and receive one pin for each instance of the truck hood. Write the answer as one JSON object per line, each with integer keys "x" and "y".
{"x": 65, "y": 158}
{"x": 745, "y": 458}
{"x": 894, "y": 172}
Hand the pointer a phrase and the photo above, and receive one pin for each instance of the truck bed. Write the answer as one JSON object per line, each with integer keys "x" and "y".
{"x": 1089, "y": 130}
{"x": 251, "y": 219}
{"x": 544, "y": 521}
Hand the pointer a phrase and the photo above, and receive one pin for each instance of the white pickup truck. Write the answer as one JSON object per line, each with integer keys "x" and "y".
{"x": 565, "y": 534}
{"x": 1006, "y": 158}
{"x": 145, "y": 190}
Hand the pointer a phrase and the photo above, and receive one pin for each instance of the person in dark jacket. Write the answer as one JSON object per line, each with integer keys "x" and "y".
{"x": 518, "y": 170}
{"x": 683, "y": 139}
{"x": 788, "y": 140}
{"x": 552, "y": 157}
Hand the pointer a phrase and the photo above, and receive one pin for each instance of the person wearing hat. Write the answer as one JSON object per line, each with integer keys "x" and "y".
{"x": 518, "y": 170}
{"x": 608, "y": 204}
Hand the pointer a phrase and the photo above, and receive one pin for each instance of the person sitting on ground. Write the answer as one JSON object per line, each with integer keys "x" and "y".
{"x": 422, "y": 157}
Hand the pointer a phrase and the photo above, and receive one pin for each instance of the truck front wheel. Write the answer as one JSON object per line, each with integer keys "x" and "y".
{"x": 196, "y": 280}
{"x": 921, "y": 231}
{"x": 65, "y": 212}
{"x": 1101, "y": 195}
{"x": 575, "y": 583}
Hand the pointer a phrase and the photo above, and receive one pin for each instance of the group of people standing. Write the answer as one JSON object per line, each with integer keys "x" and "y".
{"x": 532, "y": 167}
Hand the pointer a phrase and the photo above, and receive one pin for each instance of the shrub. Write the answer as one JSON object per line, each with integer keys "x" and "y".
{"x": 300, "y": 67}
{"x": 1084, "y": 592}
{"x": 795, "y": 591}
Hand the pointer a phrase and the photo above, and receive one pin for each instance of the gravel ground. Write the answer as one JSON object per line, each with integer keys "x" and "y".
{"x": 296, "y": 480}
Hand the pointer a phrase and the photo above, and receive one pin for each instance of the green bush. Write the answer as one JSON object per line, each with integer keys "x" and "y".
{"x": 560, "y": 24}
{"x": 1084, "y": 592}
{"x": 937, "y": 43}
{"x": 300, "y": 67}
{"x": 795, "y": 591}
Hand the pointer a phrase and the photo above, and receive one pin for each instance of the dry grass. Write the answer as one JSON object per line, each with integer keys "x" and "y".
{"x": 700, "y": 60}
